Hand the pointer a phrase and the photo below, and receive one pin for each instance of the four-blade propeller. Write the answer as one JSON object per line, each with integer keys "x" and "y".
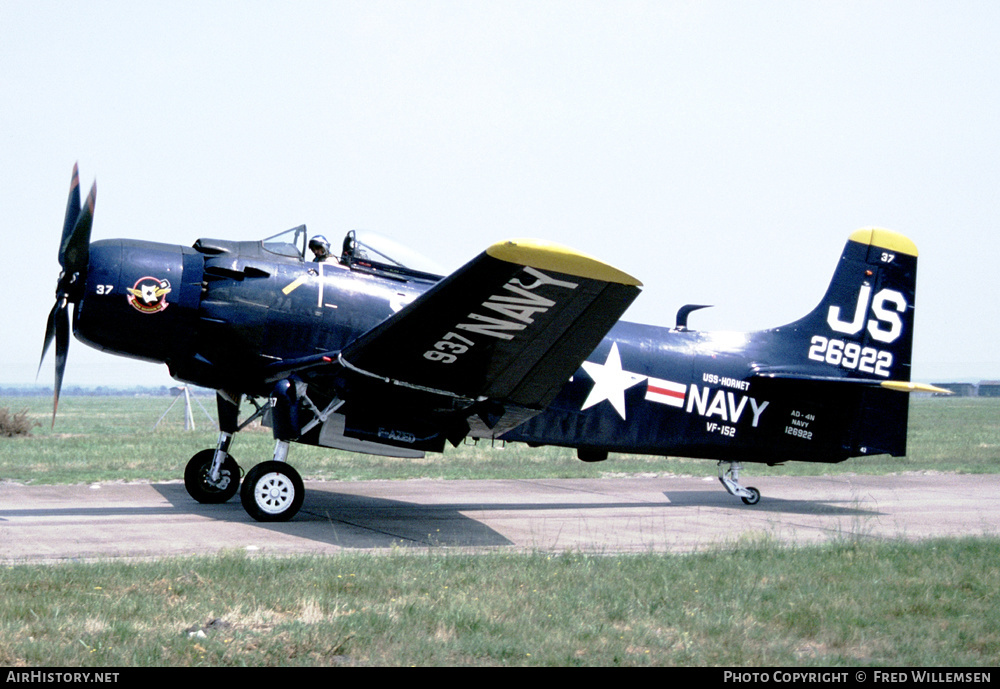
{"x": 74, "y": 256}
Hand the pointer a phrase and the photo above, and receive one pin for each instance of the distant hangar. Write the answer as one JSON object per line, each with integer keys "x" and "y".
{"x": 985, "y": 388}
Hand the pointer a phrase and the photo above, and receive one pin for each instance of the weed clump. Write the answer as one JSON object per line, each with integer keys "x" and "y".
{"x": 15, "y": 425}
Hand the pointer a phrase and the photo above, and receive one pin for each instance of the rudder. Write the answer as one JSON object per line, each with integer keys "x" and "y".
{"x": 851, "y": 355}
{"x": 863, "y": 326}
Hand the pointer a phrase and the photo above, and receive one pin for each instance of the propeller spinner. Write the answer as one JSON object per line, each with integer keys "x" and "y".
{"x": 74, "y": 256}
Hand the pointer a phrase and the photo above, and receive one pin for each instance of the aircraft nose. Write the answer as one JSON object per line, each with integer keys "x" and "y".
{"x": 141, "y": 299}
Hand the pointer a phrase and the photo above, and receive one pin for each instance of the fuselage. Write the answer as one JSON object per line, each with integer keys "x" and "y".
{"x": 219, "y": 314}
{"x": 376, "y": 352}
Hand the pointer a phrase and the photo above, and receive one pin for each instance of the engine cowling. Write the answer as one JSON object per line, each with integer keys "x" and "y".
{"x": 141, "y": 299}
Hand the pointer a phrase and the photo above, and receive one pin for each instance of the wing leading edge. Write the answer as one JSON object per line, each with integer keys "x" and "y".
{"x": 504, "y": 333}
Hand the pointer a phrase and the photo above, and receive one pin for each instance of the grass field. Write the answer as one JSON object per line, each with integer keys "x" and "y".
{"x": 851, "y": 602}
{"x": 846, "y": 604}
{"x": 110, "y": 439}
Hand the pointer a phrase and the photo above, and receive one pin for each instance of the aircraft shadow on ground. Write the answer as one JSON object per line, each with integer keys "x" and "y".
{"x": 357, "y": 521}
{"x": 778, "y": 506}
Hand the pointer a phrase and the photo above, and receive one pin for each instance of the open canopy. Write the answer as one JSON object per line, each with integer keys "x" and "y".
{"x": 362, "y": 247}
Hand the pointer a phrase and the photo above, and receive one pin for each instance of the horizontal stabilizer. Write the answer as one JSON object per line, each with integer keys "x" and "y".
{"x": 897, "y": 385}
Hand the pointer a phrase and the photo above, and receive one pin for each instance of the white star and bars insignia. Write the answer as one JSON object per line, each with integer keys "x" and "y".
{"x": 611, "y": 382}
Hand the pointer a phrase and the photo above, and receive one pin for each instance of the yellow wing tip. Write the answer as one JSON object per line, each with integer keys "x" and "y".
{"x": 885, "y": 239}
{"x": 545, "y": 255}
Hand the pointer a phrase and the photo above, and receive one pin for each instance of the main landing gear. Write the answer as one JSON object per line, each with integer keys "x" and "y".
{"x": 210, "y": 484}
{"x": 272, "y": 491}
{"x": 730, "y": 478}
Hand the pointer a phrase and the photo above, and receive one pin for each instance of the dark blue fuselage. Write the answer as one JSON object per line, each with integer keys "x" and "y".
{"x": 230, "y": 312}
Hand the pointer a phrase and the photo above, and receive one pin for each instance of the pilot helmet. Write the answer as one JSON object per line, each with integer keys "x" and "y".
{"x": 319, "y": 246}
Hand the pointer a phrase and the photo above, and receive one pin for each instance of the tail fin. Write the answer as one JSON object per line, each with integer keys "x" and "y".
{"x": 863, "y": 326}
{"x": 851, "y": 354}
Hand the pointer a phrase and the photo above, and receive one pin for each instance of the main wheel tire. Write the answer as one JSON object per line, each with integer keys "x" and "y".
{"x": 201, "y": 488}
{"x": 754, "y": 497}
{"x": 272, "y": 492}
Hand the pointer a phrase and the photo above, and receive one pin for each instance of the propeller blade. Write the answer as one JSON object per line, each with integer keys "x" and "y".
{"x": 72, "y": 213}
{"x": 75, "y": 250}
{"x": 74, "y": 257}
{"x": 62, "y": 348}
{"x": 50, "y": 332}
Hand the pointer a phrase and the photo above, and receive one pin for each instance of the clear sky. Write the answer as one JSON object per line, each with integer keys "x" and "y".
{"x": 721, "y": 152}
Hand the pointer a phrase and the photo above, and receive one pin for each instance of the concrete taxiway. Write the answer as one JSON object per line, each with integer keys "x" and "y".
{"x": 609, "y": 515}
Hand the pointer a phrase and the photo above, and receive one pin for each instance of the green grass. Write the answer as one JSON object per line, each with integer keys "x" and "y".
{"x": 929, "y": 604}
{"x": 107, "y": 439}
{"x": 848, "y": 603}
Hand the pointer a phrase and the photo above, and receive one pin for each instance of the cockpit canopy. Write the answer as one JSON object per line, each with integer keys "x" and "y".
{"x": 361, "y": 250}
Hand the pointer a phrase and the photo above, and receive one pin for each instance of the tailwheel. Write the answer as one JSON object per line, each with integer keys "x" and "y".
{"x": 730, "y": 478}
{"x": 272, "y": 492}
{"x": 199, "y": 483}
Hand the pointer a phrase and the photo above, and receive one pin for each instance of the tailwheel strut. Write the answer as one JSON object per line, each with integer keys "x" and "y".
{"x": 730, "y": 478}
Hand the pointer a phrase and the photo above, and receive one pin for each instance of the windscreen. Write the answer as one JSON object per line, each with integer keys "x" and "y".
{"x": 290, "y": 243}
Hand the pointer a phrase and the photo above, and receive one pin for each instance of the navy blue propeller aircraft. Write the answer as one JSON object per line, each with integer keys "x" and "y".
{"x": 367, "y": 352}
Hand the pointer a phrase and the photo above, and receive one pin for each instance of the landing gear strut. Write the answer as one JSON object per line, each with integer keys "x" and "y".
{"x": 730, "y": 478}
{"x": 207, "y": 488}
{"x": 272, "y": 491}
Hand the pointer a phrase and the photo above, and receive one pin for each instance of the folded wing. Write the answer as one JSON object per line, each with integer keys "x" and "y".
{"x": 502, "y": 334}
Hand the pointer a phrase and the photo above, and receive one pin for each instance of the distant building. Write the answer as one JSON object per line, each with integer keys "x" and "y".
{"x": 989, "y": 388}
{"x": 960, "y": 389}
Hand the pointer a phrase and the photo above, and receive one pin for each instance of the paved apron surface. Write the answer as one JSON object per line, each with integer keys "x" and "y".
{"x": 57, "y": 523}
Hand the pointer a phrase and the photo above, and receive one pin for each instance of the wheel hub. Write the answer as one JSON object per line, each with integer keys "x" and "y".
{"x": 274, "y": 493}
